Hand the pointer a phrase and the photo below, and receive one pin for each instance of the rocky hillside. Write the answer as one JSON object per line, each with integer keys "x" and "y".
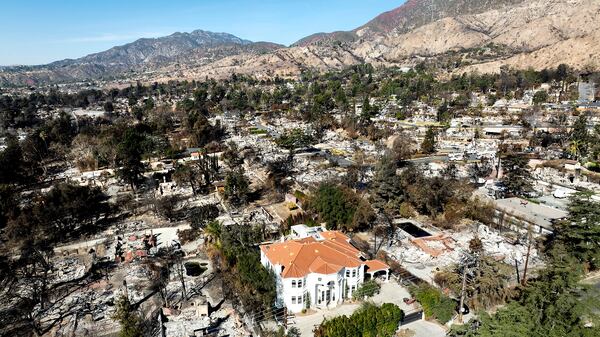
{"x": 411, "y": 15}
{"x": 530, "y": 33}
{"x": 534, "y": 33}
{"x": 459, "y": 35}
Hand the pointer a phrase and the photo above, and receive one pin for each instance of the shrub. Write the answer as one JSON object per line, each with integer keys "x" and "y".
{"x": 369, "y": 320}
{"x": 480, "y": 210}
{"x": 407, "y": 210}
{"x": 435, "y": 304}
{"x": 368, "y": 289}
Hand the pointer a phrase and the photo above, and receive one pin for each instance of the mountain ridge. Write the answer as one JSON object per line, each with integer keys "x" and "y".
{"x": 460, "y": 36}
{"x": 410, "y": 15}
{"x": 144, "y": 54}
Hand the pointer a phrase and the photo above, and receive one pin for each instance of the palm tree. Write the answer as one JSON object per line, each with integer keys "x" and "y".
{"x": 575, "y": 148}
{"x": 212, "y": 234}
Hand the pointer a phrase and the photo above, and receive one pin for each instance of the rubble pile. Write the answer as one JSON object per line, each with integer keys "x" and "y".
{"x": 425, "y": 256}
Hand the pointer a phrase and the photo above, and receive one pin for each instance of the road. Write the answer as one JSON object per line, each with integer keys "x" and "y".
{"x": 430, "y": 159}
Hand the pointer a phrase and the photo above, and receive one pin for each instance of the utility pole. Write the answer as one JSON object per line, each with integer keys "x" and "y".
{"x": 530, "y": 239}
{"x": 462, "y": 295}
{"x": 469, "y": 259}
{"x": 125, "y": 289}
{"x": 517, "y": 269}
{"x": 498, "y": 166}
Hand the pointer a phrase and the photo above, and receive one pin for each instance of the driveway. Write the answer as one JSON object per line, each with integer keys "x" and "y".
{"x": 391, "y": 292}
{"x": 425, "y": 329}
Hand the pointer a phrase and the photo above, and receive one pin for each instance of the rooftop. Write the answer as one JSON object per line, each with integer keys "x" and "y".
{"x": 540, "y": 215}
{"x": 309, "y": 255}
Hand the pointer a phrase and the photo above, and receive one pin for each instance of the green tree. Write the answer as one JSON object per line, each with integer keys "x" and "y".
{"x": 517, "y": 177}
{"x": 579, "y": 137}
{"x": 554, "y": 304}
{"x": 295, "y": 139}
{"x": 213, "y": 232}
{"x": 444, "y": 115}
{"x": 129, "y": 152}
{"x": 581, "y": 232}
{"x": 429, "y": 143}
{"x": 186, "y": 175}
{"x": 247, "y": 279}
{"x": 203, "y": 215}
{"x": 540, "y": 97}
{"x": 387, "y": 193}
{"x": 341, "y": 208}
{"x": 12, "y": 165}
{"x": 126, "y": 316}
{"x": 368, "y": 289}
{"x": 562, "y": 72}
{"x": 236, "y": 187}
{"x": 278, "y": 173}
{"x": 435, "y": 304}
{"x": 368, "y": 320}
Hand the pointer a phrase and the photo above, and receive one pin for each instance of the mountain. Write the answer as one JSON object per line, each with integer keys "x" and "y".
{"x": 144, "y": 55}
{"x": 411, "y": 15}
{"x": 460, "y": 35}
{"x": 531, "y": 33}
{"x": 158, "y": 50}
{"x": 483, "y": 37}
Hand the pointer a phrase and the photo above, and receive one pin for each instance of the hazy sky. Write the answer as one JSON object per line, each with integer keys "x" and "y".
{"x": 37, "y": 32}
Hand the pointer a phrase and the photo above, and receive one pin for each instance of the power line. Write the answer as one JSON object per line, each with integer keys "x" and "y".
{"x": 264, "y": 313}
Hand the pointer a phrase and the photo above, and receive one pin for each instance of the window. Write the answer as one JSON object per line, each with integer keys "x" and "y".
{"x": 293, "y": 299}
{"x": 354, "y": 273}
{"x": 294, "y": 284}
{"x": 347, "y": 272}
{"x": 299, "y": 299}
{"x": 300, "y": 284}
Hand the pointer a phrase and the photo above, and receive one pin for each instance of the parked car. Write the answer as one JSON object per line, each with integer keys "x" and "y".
{"x": 409, "y": 300}
{"x": 465, "y": 310}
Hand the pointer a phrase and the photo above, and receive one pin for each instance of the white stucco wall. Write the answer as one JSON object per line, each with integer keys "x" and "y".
{"x": 313, "y": 285}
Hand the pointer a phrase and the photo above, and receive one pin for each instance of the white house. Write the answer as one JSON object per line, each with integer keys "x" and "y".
{"x": 319, "y": 269}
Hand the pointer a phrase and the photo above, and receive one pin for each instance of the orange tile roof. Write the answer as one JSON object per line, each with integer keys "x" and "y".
{"x": 376, "y": 265}
{"x": 321, "y": 266}
{"x": 304, "y": 256}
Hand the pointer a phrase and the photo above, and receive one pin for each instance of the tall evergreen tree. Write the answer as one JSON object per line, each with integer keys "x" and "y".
{"x": 387, "y": 190}
{"x": 579, "y": 137}
{"x": 517, "y": 177}
{"x": 429, "y": 143}
{"x": 581, "y": 231}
